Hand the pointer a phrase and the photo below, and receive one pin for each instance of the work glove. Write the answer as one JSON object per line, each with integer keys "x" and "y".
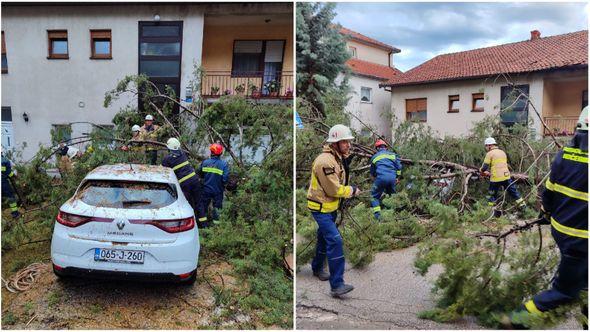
{"x": 485, "y": 174}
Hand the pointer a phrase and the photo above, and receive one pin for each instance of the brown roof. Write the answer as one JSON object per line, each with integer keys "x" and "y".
{"x": 367, "y": 40}
{"x": 372, "y": 70}
{"x": 569, "y": 50}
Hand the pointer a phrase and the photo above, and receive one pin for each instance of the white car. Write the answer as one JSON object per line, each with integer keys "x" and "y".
{"x": 127, "y": 221}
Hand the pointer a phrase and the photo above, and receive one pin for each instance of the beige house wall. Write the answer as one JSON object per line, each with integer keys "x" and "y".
{"x": 459, "y": 124}
{"x": 370, "y": 53}
{"x": 563, "y": 94}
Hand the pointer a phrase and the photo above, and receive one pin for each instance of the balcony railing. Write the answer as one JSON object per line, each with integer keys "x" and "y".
{"x": 560, "y": 125}
{"x": 255, "y": 85}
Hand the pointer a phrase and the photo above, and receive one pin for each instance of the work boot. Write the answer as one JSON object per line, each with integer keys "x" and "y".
{"x": 322, "y": 275}
{"x": 337, "y": 292}
{"x": 497, "y": 213}
{"x": 15, "y": 214}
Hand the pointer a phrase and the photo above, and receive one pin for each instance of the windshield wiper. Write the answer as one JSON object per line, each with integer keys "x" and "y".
{"x": 137, "y": 201}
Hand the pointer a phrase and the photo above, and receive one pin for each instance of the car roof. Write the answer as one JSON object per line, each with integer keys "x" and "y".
{"x": 133, "y": 172}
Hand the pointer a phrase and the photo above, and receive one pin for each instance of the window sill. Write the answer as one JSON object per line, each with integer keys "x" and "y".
{"x": 101, "y": 58}
{"x": 366, "y": 102}
{"x": 453, "y": 111}
{"x": 477, "y": 110}
{"x": 53, "y": 57}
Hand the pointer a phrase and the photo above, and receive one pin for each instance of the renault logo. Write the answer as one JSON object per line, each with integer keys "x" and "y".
{"x": 121, "y": 224}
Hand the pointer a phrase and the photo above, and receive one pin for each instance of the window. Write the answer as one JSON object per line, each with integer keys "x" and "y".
{"x": 253, "y": 58}
{"x": 454, "y": 104}
{"x": 100, "y": 44}
{"x": 416, "y": 110}
{"x": 352, "y": 50}
{"x": 58, "y": 44}
{"x": 365, "y": 94}
{"x": 61, "y": 133}
{"x": 584, "y": 97}
{"x": 514, "y": 104}
{"x": 4, "y": 60}
{"x": 477, "y": 104}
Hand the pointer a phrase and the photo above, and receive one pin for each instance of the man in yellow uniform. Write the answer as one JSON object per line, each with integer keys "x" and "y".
{"x": 495, "y": 166}
{"x": 149, "y": 132}
{"x": 328, "y": 186}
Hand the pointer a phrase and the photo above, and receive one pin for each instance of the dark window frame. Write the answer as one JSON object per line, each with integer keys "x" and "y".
{"x": 99, "y": 35}
{"x": 453, "y": 98}
{"x": 260, "y": 71}
{"x": 474, "y": 98}
{"x": 584, "y": 98}
{"x": 4, "y": 69}
{"x": 504, "y": 93}
{"x": 54, "y": 35}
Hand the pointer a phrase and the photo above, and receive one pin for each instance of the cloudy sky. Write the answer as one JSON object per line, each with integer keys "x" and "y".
{"x": 424, "y": 30}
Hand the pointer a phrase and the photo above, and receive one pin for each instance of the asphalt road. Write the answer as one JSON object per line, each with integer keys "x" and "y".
{"x": 388, "y": 294}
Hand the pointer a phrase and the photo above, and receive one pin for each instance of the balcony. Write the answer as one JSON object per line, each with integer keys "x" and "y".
{"x": 252, "y": 85}
{"x": 560, "y": 125}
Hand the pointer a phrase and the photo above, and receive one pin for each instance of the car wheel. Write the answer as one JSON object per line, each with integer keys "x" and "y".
{"x": 191, "y": 280}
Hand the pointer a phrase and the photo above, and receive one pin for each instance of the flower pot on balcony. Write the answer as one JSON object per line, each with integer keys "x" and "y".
{"x": 256, "y": 94}
{"x": 274, "y": 93}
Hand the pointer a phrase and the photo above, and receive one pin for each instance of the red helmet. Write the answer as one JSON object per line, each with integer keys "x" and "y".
{"x": 379, "y": 143}
{"x": 216, "y": 149}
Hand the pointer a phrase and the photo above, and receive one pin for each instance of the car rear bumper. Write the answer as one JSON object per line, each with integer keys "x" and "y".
{"x": 121, "y": 275}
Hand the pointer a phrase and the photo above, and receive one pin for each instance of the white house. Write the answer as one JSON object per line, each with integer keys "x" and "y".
{"x": 58, "y": 60}
{"x": 453, "y": 91}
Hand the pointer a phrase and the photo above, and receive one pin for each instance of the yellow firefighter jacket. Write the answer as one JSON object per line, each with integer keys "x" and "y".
{"x": 151, "y": 135}
{"x": 327, "y": 182}
{"x": 498, "y": 163}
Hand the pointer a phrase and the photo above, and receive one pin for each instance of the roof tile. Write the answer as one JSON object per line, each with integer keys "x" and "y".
{"x": 372, "y": 70}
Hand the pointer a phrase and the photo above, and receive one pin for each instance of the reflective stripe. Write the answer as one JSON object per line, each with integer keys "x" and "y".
{"x": 531, "y": 307}
{"x": 3, "y": 168}
{"x": 216, "y": 222}
{"x": 344, "y": 191}
{"x": 187, "y": 177}
{"x": 582, "y": 233}
{"x": 13, "y": 207}
{"x": 398, "y": 173}
{"x": 491, "y": 203}
{"x": 566, "y": 191}
{"x": 203, "y": 219}
{"x": 576, "y": 158}
{"x": 520, "y": 202}
{"x": 335, "y": 258}
{"x": 212, "y": 170}
{"x": 574, "y": 150}
{"x": 376, "y": 209}
{"x": 383, "y": 156}
{"x": 323, "y": 207}
{"x": 180, "y": 165}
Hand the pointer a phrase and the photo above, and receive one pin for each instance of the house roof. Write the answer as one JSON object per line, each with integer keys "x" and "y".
{"x": 569, "y": 50}
{"x": 367, "y": 40}
{"x": 372, "y": 70}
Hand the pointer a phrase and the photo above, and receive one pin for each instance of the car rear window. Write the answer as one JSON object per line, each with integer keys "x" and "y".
{"x": 127, "y": 194}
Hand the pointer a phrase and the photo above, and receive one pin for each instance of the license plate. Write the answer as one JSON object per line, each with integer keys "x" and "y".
{"x": 119, "y": 256}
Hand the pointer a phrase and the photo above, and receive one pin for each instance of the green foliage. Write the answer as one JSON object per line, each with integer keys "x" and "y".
{"x": 321, "y": 52}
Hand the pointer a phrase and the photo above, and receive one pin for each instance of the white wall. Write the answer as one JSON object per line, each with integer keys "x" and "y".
{"x": 458, "y": 124}
{"x": 50, "y": 91}
{"x": 375, "y": 113}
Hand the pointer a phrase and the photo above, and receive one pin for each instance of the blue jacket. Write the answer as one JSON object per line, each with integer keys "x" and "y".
{"x": 6, "y": 170}
{"x": 566, "y": 197}
{"x": 185, "y": 172}
{"x": 215, "y": 173}
{"x": 385, "y": 165}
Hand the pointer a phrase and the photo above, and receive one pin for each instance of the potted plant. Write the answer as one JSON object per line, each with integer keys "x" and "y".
{"x": 240, "y": 89}
{"x": 273, "y": 87}
{"x": 214, "y": 90}
{"x": 289, "y": 93}
{"x": 254, "y": 92}
{"x": 227, "y": 92}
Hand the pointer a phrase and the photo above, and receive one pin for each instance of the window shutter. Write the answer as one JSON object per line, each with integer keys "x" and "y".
{"x": 274, "y": 51}
{"x": 102, "y": 34}
{"x": 58, "y": 34}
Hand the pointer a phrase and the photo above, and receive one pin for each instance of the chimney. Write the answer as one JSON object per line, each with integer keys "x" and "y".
{"x": 535, "y": 34}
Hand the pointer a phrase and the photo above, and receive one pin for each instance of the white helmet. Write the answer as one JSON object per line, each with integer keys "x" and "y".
{"x": 490, "y": 141}
{"x": 173, "y": 143}
{"x": 149, "y": 117}
{"x": 339, "y": 133}
{"x": 583, "y": 120}
{"x": 135, "y": 128}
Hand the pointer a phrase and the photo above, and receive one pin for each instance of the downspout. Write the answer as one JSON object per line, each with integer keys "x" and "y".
{"x": 389, "y": 58}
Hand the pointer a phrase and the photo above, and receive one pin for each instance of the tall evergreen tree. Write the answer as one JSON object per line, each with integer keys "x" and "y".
{"x": 321, "y": 52}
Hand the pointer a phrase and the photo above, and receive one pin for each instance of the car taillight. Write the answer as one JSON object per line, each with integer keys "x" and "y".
{"x": 170, "y": 226}
{"x": 75, "y": 220}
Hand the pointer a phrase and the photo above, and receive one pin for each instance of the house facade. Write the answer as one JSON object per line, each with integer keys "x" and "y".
{"x": 453, "y": 91}
{"x": 371, "y": 64}
{"x": 69, "y": 55}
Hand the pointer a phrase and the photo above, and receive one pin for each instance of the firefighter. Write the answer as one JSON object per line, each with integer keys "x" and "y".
{"x": 135, "y": 136}
{"x": 215, "y": 174}
{"x": 495, "y": 166}
{"x": 385, "y": 168}
{"x": 149, "y": 133}
{"x": 189, "y": 182}
{"x": 327, "y": 186}
{"x": 7, "y": 190}
{"x": 565, "y": 207}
